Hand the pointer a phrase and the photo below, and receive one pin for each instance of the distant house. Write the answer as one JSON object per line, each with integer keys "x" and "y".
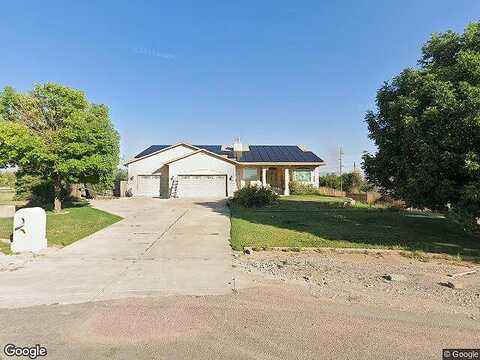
{"x": 217, "y": 171}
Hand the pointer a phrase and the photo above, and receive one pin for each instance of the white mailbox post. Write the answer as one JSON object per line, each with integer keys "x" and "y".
{"x": 29, "y": 230}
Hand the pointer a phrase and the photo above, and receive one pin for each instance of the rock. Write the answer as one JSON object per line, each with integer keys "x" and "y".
{"x": 248, "y": 250}
{"x": 395, "y": 277}
{"x": 453, "y": 284}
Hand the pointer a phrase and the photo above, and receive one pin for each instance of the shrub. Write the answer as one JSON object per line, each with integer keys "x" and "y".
{"x": 349, "y": 182}
{"x": 121, "y": 174}
{"x": 253, "y": 196}
{"x": 330, "y": 181}
{"x": 37, "y": 190}
{"x": 467, "y": 210}
{"x": 299, "y": 188}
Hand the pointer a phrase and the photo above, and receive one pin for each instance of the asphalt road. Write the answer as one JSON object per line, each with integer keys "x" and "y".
{"x": 266, "y": 322}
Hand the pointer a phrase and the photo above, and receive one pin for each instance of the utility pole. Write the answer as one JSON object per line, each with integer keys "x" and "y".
{"x": 340, "y": 158}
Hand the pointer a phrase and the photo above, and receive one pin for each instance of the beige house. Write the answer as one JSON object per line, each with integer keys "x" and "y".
{"x": 217, "y": 171}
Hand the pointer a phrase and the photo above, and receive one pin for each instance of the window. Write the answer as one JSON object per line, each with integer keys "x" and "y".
{"x": 302, "y": 175}
{"x": 250, "y": 174}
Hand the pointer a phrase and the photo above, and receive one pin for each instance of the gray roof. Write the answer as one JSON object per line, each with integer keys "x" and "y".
{"x": 257, "y": 153}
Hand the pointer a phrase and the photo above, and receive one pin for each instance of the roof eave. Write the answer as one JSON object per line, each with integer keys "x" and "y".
{"x": 317, "y": 163}
{"x": 220, "y": 157}
{"x": 159, "y": 151}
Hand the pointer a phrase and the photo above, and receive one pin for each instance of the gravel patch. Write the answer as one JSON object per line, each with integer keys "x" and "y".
{"x": 384, "y": 279}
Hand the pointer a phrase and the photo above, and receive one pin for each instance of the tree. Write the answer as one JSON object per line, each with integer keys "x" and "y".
{"x": 427, "y": 128}
{"x": 349, "y": 182}
{"x": 56, "y": 133}
{"x": 329, "y": 180}
{"x": 352, "y": 182}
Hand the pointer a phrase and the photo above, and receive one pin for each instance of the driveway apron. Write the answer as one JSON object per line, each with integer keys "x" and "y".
{"x": 162, "y": 247}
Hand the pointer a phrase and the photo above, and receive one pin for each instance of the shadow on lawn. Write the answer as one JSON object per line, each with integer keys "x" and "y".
{"x": 315, "y": 224}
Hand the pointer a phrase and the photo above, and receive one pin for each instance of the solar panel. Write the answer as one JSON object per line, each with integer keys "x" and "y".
{"x": 257, "y": 153}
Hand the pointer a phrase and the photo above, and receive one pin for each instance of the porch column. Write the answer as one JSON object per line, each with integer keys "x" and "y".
{"x": 287, "y": 181}
{"x": 264, "y": 177}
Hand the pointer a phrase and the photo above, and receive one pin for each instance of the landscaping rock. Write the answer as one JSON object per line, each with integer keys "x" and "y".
{"x": 248, "y": 251}
{"x": 453, "y": 284}
{"x": 395, "y": 277}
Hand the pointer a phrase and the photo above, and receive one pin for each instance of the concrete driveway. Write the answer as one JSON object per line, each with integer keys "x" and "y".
{"x": 162, "y": 247}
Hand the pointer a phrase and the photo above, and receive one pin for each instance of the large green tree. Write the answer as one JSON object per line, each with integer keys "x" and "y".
{"x": 427, "y": 128}
{"x": 54, "y": 132}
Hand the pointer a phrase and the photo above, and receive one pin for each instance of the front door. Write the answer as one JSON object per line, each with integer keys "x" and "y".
{"x": 272, "y": 177}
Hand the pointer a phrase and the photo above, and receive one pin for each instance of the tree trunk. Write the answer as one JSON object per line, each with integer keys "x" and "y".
{"x": 57, "y": 187}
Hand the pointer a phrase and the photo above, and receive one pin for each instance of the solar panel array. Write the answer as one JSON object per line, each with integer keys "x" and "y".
{"x": 257, "y": 153}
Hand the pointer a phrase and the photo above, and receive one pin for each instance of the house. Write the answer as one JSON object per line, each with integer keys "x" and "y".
{"x": 187, "y": 171}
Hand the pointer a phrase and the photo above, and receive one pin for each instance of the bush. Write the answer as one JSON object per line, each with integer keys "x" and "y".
{"x": 253, "y": 196}
{"x": 330, "y": 181}
{"x": 467, "y": 210}
{"x": 352, "y": 182}
{"x": 121, "y": 174}
{"x": 299, "y": 188}
{"x": 33, "y": 188}
{"x": 349, "y": 182}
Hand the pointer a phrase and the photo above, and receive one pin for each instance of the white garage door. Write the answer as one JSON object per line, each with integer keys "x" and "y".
{"x": 148, "y": 185}
{"x": 191, "y": 186}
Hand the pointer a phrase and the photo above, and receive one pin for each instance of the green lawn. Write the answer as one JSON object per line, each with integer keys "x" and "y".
{"x": 65, "y": 228}
{"x": 319, "y": 221}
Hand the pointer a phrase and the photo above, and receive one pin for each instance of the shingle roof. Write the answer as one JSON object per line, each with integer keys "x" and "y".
{"x": 257, "y": 153}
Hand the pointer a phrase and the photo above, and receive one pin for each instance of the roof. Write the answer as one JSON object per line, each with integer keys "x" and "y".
{"x": 203, "y": 151}
{"x": 256, "y": 154}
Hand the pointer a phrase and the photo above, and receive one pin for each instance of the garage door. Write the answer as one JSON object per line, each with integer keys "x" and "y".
{"x": 191, "y": 186}
{"x": 148, "y": 185}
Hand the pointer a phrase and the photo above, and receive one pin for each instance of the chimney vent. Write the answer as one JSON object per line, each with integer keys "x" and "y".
{"x": 237, "y": 145}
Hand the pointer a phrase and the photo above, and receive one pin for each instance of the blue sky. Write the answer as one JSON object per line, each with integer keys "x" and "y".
{"x": 270, "y": 72}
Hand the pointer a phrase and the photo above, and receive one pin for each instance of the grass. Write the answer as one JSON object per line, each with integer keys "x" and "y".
{"x": 65, "y": 228}
{"x": 318, "y": 221}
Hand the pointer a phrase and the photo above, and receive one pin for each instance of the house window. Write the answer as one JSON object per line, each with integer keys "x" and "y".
{"x": 302, "y": 175}
{"x": 250, "y": 174}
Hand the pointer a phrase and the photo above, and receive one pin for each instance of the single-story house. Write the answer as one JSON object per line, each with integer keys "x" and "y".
{"x": 188, "y": 171}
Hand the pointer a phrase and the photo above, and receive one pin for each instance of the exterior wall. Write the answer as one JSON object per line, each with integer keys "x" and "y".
{"x": 242, "y": 183}
{"x": 164, "y": 182}
{"x": 204, "y": 164}
{"x": 153, "y": 164}
{"x": 280, "y": 174}
{"x": 314, "y": 177}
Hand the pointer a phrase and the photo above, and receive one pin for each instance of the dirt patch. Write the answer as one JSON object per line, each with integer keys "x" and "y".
{"x": 372, "y": 278}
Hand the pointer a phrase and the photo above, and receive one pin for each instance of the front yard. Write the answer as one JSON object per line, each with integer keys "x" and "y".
{"x": 65, "y": 228}
{"x": 320, "y": 221}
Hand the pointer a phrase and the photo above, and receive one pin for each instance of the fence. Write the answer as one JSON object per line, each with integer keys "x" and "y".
{"x": 331, "y": 192}
{"x": 368, "y": 197}
{"x": 120, "y": 189}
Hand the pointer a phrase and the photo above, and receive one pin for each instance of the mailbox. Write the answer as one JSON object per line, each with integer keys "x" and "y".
{"x": 29, "y": 230}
